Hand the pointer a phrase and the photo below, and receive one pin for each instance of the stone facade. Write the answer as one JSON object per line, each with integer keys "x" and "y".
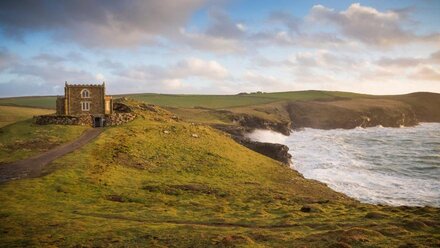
{"x": 84, "y": 99}
{"x": 87, "y": 104}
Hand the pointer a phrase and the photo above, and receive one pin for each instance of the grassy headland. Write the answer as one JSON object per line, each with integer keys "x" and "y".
{"x": 159, "y": 182}
{"x": 317, "y": 109}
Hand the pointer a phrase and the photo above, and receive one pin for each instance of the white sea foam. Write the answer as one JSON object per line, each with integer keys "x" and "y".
{"x": 394, "y": 166}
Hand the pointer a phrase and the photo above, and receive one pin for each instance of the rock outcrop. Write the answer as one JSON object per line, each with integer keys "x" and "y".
{"x": 253, "y": 122}
{"x": 275, "y": 151}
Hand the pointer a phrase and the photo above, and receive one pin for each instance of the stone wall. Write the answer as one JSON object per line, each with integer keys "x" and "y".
{"x": 84, "y": 120}
{"x": 118, "y": 119}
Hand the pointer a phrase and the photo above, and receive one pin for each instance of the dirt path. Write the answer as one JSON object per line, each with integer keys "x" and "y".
{"x": 32, "y": 167}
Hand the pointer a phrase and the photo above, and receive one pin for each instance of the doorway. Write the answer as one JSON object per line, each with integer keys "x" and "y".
{"x": 97, "y": 122}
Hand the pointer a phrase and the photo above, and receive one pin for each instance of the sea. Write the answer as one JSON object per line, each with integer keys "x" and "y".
{"x": 378, "y": 165}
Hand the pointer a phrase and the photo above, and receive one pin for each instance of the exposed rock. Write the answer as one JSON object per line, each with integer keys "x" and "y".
{"x": 278, "y": 152}
{"x": 166, "y": 131}
{"x": 194, "y": 135}
{"x": 118, "y": 119}
{"x": 119, "y": 107}
{"x": 148, "y": 107}
{"x": 253, "y": 122}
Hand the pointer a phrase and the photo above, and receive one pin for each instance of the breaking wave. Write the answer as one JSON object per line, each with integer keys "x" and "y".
{"x": 393, "y": 166}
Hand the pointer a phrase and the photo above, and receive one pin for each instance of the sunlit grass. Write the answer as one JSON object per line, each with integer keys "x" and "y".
{"x": 137, "y": 185}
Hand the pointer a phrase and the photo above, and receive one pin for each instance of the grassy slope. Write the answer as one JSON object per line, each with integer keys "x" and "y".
{"x": 25, "y": 139}
{"x": 10, "y": 114}
{"x": 137, "y": 185}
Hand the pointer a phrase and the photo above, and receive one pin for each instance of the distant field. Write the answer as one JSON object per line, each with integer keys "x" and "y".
{"x": 191, "y": 101}
{"x": 47, "y": 102}
{"x": 11, "y": 114}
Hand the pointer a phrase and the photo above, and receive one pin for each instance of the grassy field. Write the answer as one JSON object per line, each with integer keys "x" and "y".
{"x": 9, "y": 114}
{"x": 24, "y": 139}
{"x": 20, "y": 138}
{"x": 47, "y": 102}
{"x": 203, "y": 101}
{"x": 151, "y": 183}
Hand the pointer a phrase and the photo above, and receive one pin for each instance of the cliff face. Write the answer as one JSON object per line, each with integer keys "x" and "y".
{"x": 425, "y": 105}
{"x": 351, "y": 114}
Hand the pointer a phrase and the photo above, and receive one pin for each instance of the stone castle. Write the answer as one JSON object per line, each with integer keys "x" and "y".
{"x": 85, "y": 99}
{"x": 87, "y": 104}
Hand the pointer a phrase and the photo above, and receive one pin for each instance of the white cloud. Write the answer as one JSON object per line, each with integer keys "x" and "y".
{"x": 204, "y": 42}
{"x": 427, "y": 73}
{"x": 370, "y": 26}
{"x": 100, "y": 77}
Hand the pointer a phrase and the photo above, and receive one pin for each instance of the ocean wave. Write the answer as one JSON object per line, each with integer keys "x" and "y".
{"x": 394, "y": 166}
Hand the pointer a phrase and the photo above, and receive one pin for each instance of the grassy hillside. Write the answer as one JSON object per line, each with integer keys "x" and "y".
{"x": 9, "y": 114}
{"x": 24, "y": 139}
{"x": 156, "y": 182}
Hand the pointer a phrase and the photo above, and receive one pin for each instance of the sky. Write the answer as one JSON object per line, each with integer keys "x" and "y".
{"x": 220, "y": 47}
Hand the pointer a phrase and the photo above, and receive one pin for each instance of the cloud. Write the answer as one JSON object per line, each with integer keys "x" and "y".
{"x": 223, "y": 26}
{"x": 201, "y": 41}
{"x": 291, "y": 22}
{"x": 434, "y": 58}
{"x": 49, "y": 58}
{"x": 427, "y": 73}
{"x": 184, "y": 69}
{"x": 51, "y": 75}
{"x": 6, "y": 59}
{"x": 100, "y": 23}
{"x": 222, "y": 34}
{"x": 370, "y": 26}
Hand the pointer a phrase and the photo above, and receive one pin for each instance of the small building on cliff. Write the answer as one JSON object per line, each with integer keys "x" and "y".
{"x": 85, "y": 99}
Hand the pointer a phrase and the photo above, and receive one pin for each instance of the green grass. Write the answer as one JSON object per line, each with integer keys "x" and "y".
{"x": 24, "y": 139}
{"x": 48, "y": 102}
{"x": 204, "y": 101}
{"x": 10, "y": 114}
{"x": 191, "y": 101}
{"x": 137, "y": 185}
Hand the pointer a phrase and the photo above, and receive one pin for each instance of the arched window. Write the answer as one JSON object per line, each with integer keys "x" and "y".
{"x": 85, "y": 93}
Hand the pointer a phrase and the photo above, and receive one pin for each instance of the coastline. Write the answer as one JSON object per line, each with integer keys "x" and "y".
{"x": 376, "y": 182}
